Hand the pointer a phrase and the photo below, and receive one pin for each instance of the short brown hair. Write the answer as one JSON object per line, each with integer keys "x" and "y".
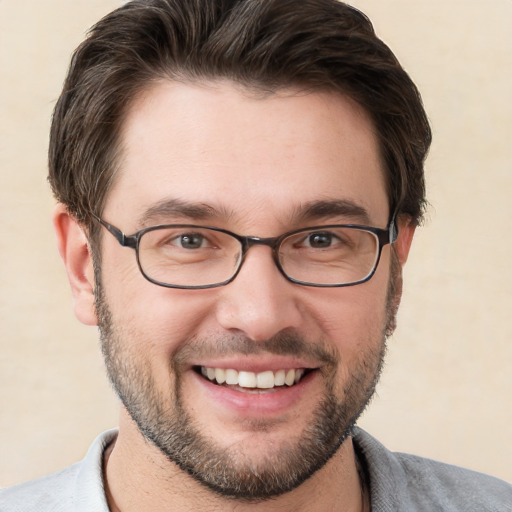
{"x": 261, "y": 44}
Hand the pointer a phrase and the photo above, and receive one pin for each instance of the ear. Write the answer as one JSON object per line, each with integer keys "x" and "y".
{"x": 76, "y": 254}
{"x": 406, "y": 229}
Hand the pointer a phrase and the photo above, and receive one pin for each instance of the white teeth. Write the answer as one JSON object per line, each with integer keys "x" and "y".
{"x": 247, "y": 379}
{"x": 289, "y": 380}
{"x": 263, "y": 380}
{"x": 279, "y": 378}
{"x": 231, "y": 377}
{"x": 220, "y": 375}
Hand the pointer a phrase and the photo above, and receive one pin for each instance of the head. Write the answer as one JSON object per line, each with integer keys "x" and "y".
{"x": 231, "y": 105}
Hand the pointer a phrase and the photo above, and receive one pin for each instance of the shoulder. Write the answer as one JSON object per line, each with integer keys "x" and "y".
{"x": 453, "y": 487}
{"x": 50, "y": 493}
{"x": 409, "y": 483}
{"x": 78, "y": 488}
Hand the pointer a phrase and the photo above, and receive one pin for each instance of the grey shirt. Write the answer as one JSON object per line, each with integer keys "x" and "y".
{"x": 398, "y": 483}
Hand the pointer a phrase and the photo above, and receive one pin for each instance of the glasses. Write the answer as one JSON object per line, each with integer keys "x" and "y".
{"x": 195, "y": 257}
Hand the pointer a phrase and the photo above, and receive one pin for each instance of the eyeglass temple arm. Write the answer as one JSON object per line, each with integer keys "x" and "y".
{"x": 124, "y": 240}
{"x": 393, "y": 228}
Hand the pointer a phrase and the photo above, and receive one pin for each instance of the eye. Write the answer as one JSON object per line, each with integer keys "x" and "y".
{"x": 189, "y": 241}
{"x": 320, "y": 240}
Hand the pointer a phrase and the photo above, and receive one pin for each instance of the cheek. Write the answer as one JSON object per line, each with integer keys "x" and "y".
{"x": 353, "y": 316}
{"x": 355, "y": 326}
{"x": 153, "y": 319}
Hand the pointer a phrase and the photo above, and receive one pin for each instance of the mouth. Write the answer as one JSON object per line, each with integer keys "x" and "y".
{"x": 246, "y": 381}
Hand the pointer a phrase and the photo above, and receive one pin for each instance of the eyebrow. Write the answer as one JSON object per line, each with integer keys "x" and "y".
{"x": 169, "y": 208}
{"x": 333, "y": 208}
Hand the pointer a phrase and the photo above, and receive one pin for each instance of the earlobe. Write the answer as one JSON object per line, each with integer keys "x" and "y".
{"x": 406, "y": 229}
{"x": 76, "y": 254}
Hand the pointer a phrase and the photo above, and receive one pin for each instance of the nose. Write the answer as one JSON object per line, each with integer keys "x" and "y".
{"x": 260, "y": 302}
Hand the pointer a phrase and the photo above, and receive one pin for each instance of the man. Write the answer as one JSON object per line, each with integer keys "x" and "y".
{"x": 238, "y": 186}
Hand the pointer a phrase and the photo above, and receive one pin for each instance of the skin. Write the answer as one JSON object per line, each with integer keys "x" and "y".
{"x": 257, "y": 162}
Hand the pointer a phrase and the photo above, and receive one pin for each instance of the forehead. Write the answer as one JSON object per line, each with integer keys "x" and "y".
{"x": 250, "y": 159}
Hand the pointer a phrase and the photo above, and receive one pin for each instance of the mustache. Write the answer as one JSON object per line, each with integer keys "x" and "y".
{"x": 286, "y": 343}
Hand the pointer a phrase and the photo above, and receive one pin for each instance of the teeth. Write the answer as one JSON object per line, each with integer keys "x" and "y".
{"x": 220, "y": 375}
{"x": 247, "y": 379}
{"x": 265, "y": 380}
{"x": 289, "y": 379}
{"x": 231, "y": 377}
{"x": 262, "y": 380}
{"x": 279, "y": 378}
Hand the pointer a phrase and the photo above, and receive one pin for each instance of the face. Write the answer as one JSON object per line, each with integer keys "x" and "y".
{"x": 214, "y": 155}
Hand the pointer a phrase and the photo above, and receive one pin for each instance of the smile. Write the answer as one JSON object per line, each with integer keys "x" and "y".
{"x": 263, "y": 380}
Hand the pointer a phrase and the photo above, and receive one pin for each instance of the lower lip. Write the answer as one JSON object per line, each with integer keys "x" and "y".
{"x": 256, "y": 404}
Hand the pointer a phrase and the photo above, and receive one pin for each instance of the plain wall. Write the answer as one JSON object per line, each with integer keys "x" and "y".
{"x": 446, "y": 389}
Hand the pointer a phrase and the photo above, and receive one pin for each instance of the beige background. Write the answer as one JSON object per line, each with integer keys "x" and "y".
{"x": 446, "y": 391}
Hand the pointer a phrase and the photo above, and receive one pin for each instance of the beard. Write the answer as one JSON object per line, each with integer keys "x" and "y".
{"x": 164, "y": 421}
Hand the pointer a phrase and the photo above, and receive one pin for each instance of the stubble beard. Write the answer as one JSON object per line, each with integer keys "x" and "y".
{"x": 164, "y": 421}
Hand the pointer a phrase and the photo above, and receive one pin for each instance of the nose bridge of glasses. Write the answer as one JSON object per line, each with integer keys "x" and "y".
{"x": 272, "y": 242}
{"x": 249, "y": 241}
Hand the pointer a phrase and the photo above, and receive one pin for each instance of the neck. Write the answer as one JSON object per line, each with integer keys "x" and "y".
{"x": 138, "y": 477}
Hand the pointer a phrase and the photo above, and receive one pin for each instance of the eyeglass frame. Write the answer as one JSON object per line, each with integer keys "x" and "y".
{"x": 384, "y": 236}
